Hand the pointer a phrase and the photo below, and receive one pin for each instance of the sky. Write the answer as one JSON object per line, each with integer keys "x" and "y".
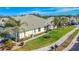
{"x": 45, "y": 11}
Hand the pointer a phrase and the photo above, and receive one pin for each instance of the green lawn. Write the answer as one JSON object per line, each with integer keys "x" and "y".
{"x": 67, "y": 41}
{"x": 39, "y": 42}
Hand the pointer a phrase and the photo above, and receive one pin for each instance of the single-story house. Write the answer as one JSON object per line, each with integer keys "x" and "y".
{"x": 32, "y": 25}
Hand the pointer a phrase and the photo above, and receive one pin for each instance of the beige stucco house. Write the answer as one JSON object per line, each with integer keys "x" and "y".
{"x": 32, "y": 25}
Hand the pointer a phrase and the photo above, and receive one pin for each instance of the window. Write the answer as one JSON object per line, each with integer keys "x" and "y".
{"x": 39, "y": 29}
{"x": 45, "y": 28}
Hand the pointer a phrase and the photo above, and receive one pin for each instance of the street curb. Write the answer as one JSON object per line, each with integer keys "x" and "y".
{"x": 72, "y": 43}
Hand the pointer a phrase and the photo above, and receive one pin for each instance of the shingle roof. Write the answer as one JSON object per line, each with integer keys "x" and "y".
{"x": 31, "y": 22}
{"x": 1, "y": 29}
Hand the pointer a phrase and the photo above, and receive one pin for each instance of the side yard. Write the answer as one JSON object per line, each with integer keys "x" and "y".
{"x": 49, "y": 38}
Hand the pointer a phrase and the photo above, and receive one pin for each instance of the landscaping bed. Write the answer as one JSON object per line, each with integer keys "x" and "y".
{"x": 49, "y": 38}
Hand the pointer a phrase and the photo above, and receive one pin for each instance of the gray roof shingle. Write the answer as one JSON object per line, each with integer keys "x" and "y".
{"x": 30, "y": 22}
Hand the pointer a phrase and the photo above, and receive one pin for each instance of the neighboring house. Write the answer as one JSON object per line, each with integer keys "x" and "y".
{"x": 10, "y": 34}
{"x": 2, "y": 23}
{"x": 32, "y": 25}
{"x": 74, "y": 20}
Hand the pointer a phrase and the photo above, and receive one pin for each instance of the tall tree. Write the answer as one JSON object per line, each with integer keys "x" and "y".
{"x": 56, "y": 21}
{"x": 16, "y": 32}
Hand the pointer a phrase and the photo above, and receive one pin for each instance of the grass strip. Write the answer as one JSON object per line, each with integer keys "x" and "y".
{"x": 67, "y": 42}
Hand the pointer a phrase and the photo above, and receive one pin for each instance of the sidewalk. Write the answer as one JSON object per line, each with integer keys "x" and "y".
{"x": 16, "y": 47}
{"x": 60, "y": 41}
{"x": 72, "y": 43}
{"x": 34, "y": 37}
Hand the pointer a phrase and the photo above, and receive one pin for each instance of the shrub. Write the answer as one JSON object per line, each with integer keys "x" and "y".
{"x": 2, "y": 34}
{"x": 10, "y": 23}
{"x": 46, "y": 36}
{"x": 21, "y": 44}
{"x": 8, "y": 44}
{"x": 52, "y": 47}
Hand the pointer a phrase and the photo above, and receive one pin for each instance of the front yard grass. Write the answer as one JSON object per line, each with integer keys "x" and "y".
{"x": 42, "y": 41}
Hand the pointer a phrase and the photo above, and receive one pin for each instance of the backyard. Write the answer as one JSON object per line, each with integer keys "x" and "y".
{"x": 47, "y": 39}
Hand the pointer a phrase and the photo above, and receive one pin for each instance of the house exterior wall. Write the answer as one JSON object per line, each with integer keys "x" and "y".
{"x": 29, "y": 33}
{"x": 21, "y": 35}
{"x": 51, "y": 27}
{"x": 32, "y": 32}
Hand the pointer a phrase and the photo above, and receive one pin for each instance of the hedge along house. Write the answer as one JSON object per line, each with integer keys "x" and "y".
{"x": 33, "y": 25}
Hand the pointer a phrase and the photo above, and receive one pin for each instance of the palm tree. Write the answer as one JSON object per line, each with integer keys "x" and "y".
{"x": 64, "y": 20}
{"x": 56, "y": 21}
{"x": 17, "y": 28}
{"x": 24, "y": 32}
{"x": 60, "y": 21}
{"x": 16, "y": 33}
